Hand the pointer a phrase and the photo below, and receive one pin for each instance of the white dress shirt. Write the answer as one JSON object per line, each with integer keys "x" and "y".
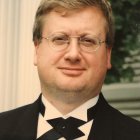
{"x": 51, "y": 112}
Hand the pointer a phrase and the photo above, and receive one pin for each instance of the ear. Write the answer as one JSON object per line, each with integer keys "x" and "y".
{"x": 109, "y": 50}
{"x": 36, "y": 46}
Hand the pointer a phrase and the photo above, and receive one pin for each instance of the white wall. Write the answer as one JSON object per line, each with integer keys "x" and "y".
{"x": 18, "y": 77}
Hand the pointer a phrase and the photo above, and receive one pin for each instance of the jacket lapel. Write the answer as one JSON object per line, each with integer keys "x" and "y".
{"x": 26, "y": 129}
{"x": 102, "y": 124}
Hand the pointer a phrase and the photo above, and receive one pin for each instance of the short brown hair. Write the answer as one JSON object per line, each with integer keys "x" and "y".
{"x": 48, "y": 5}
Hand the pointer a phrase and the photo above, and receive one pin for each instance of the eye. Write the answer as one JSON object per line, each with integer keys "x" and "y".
{"x": 89, "y": 41}
{"x": 59, "y": 39}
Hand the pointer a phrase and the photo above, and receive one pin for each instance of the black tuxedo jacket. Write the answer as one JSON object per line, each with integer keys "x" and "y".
{"x": 109, "y": 124}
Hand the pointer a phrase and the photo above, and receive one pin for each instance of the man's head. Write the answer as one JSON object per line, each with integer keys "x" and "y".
{"x": 47, "y": 6}
{"x": 73, "y": 42}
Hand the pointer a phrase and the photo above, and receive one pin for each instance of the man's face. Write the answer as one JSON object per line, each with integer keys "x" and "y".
{"x": 73, "y": 69}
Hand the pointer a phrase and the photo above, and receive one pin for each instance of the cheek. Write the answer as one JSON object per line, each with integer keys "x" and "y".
{"x": 99, "y": 65}
{"x": 44, "y": 56}
{"x": 45, "y": 69}
{"x": 97, "y": 74}
{"x": 43, "y": 61}
{"x": 47, "y": 60}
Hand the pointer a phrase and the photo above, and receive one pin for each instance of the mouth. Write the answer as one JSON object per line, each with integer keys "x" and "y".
{"x": 72, "y": 71}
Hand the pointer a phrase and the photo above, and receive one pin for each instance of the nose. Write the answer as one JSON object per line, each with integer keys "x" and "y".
{"x": 73, "y": 52}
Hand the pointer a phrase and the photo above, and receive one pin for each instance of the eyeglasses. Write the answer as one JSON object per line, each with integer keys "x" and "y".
{"x": 60, "y": 42}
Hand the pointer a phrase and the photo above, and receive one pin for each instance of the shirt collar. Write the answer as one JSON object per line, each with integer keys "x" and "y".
{"x": 80, "y": 112}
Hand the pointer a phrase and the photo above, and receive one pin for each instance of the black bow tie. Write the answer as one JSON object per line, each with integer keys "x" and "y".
{"x": 67, "y": 128}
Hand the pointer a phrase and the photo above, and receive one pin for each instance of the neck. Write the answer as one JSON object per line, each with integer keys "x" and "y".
{"x": 63, "y": 107}
{"x": 68, "y": 102}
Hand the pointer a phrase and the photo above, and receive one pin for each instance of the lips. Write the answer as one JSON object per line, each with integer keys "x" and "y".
{"x": 72, "y": 71}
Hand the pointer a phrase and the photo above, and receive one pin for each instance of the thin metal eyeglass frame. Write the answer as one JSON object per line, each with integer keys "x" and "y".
{"x": 99, "y": 43}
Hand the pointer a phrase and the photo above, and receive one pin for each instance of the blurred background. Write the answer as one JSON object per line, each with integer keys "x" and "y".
{"x": 19, "y": 83}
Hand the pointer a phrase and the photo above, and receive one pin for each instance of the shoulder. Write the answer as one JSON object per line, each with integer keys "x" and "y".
{"x": 118, "y": 118}
{"x": 16, "y": 111}
{"x": 121, "y": 119}
{"x": 121, "y": 126}
{"x": 12, "y": 116}
{"x": 19, "y": 112}
{"x": 20, "y": 115}
{"x": 17, "y": 123}
{"x": 124, "y": 125}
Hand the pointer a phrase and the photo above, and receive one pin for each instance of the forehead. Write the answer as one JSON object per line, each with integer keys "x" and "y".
{"x": 85, "y": 19}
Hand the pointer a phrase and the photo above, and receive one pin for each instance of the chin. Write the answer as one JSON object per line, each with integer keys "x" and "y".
{"x": 71, "y": 88}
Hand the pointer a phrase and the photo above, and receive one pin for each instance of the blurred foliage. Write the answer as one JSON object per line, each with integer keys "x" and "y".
{"x": 127, "y": 38}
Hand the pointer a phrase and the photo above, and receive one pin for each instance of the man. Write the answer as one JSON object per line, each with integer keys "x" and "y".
{"x": 73, "y": 41}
